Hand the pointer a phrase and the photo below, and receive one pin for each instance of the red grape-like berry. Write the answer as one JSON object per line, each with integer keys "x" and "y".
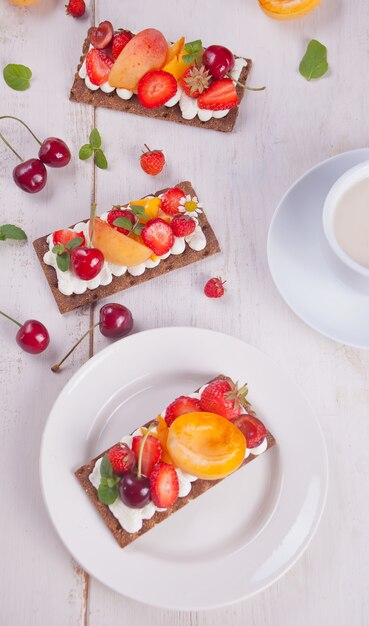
{"x": 86, "y": 262}
{"x": 31, "y": 175}
{"x": 102, "y": 35}
{"x": 214, "y": 288}
{"x": 33, "y": 337}
{"x": 219, "y": 61}
{"x": 183, "y": 225}
{"x": 54, "y": 152}
{"x": 134, "y": 490}
{"x": 115, "y": 321}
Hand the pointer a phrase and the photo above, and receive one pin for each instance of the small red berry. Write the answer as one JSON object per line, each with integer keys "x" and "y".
{"x": 214, "y": 288}
{"x": 119, "y": 42}
{"x": 152, "y": 161}
{"x": 115, "y": 213}
{"x": 182, "y": 225}
{"x": 122, "y": 458}
{"x": 76, "y": 8}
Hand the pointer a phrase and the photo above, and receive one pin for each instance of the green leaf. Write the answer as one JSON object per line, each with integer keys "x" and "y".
{"x": 314, "y": 63}
{"x": 95, "y": 138}
{"x": 63, "y": 261}
{"x": 138, "y": 229}
{"x": 85, "y": 152}
{"x": 123, "y": 222}
{"x": 9, "y": 231}
{"x": 193, "y": 49}
{"x": 74, "y": 243}
{"x": 17, "y": 76}
{"x": 137, "y": 210}
{"x": 106, "y": 469}
{"x": 107, "y": 495}
{"x": 58, "y": 249}
{"x": 100, "y": 159}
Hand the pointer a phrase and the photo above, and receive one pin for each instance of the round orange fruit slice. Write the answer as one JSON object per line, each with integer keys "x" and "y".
{"x": 206, "y": 445}
{"x": 287, "y": 9}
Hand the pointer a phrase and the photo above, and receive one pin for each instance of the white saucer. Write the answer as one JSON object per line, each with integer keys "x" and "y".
{"x": 317, "y": 286}
{"x": 235, "y": 539}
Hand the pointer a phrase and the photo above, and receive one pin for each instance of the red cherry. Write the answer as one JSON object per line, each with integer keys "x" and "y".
{"x": 54, "y": 152}
{"x": 31, "y": 175}
{"x": 115, "y": 320}
{"x": 33, "y": 337}
{"x": 253, "y": 429}
{"x": 102, "y": 35}
{"x": 86, "y": 262}
{"x": 218, "y": 60}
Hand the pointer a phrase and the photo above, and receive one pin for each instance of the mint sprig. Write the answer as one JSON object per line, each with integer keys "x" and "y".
{"x": 108, "y": 488}
{"x": 17, "y": 76}
{"x": 193, "y": 50}
{"x": 314, "y": 63}
{"x": 63, "y": 253}
{"x": 9, "y": 231}
{"x": 94, "y": 148}
{"x": 123, "y": 222}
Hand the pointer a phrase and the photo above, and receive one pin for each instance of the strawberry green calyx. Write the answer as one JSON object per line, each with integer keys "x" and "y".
{"x": 237, "y": 394}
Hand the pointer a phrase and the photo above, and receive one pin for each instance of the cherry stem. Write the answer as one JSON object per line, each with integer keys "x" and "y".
{"x": 57, "y": 366}
{"x": 151, "y": 426}
{"x": 11, "y": 147}
{"x": 12, "y": 117}
{"x": 147, "y": 147}
{"x": 11, "y": 319}
{"x": 92, "y": 222}
{"x": 247, "y": 87}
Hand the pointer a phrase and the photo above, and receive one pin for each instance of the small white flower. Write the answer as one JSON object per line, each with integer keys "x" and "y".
{"x": 190, "y": 206}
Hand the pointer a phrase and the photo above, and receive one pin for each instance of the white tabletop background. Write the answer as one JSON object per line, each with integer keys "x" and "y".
{"x": 240, "y": 178}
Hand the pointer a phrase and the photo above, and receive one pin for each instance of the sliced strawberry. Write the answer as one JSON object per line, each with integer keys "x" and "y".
{"x": 119, "y": 42}
{"x": 170, "y": 200}
{"x": 63, "y": 236}
{"x": 253, "y": 429}
{"x": 122, "y": 458}
{"x": 115, "y": 213}
{"x": 158, "y": 236}
{"x": 98, "y": 66}
{"x": 164, "y": 485}
{"x": 151, "y": 453}
{"x": 181, "y": 406}
{"x": 156, "y": 88}
{"x": 221, "y": 95}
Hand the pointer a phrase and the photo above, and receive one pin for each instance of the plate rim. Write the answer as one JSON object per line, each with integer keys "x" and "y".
{"x": 275, "y": 216}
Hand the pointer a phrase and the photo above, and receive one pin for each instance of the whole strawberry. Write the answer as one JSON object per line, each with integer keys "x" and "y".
{"x": 214, "y": 288}
{"x": 152, "y": 161}
{"x": 195, "y": 80}
{"x": 224, "y": 398}
{"x": 182, "y": 225}
{"x": 122, "y": 458}
{"x": 76, "y": 8}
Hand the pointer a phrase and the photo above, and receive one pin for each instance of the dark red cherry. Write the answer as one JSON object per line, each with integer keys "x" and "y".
{"x": 31, "y": 175}
{"x": 218, "y": 60}
{"x": 101, "y": 36}
{"x": 134, "y": 490}
{"x": 115, "y": 320}
{"x": 86, "y": 262}
{"x": 33, "y": 337}
{"x": 54, "y": 152}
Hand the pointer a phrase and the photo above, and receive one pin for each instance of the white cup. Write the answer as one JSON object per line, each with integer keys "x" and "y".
{"x": 343, "y": 184}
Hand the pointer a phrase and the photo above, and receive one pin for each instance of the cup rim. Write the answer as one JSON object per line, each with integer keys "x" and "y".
{"x": 343, "y": 183}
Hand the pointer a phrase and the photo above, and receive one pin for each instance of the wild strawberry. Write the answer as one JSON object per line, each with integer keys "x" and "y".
{"x": 66, "y": 235}
{"x": 115, "y": 213}
{"x": 151, "y": 453}
{"x": 214, "y": 288}
{"x": 164, "y": 485}
{"x": 180, "y": 406}
{"x": 221, "y": 95}
{"x": 253, "y": 429}
{"x": 119, "y": 42}
{"x": 158, "y": 236}
{"x": 122, "y": 458}
{"x": 183, "y": 225}
{"x": 223, "y": 397}
{"x": 195, "y": 80}
{"x": 76, "y": 8}
{"x": 152, "y": 161}
{"x": 170, "y": 200}
{"x": 155, "y": 88}
{"x": 98, "y": 66}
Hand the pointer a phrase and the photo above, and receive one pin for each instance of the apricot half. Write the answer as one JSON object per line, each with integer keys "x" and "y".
{"x": 206, "y": 445}
{"x": 116, "y": 247}
{"x": 287, "y": 9}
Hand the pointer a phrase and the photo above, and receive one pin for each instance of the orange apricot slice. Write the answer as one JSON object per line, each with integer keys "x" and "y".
{"x": 151, "y": 206}
{"x": 116, "y": 247}
{"x": 177, "y": 66}
{"x": 174, "y": 50}
{"x": 287, "y": 9}
{"x": 206, "y": 445}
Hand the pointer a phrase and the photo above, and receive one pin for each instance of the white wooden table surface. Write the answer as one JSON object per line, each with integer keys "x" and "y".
{"x": 240, "y": 178}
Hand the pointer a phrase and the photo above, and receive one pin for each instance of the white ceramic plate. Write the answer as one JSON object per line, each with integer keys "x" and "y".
{"x": 232, "y": 541}
{"x": 325, "y": 294}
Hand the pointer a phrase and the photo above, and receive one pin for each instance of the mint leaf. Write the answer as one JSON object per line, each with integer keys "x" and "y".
{"x": 95, "y": 138}
{"x": 193, "y": 49}
{"x": 85, "y": 152}
{"x": 106, "y": 494}
{"x": 138, "y": 229}
{"x": 17, "y": 76}
{"x": 314, "y": 63}
{"x": 63, "y": 261}
{"x": 137, "y": 210}
{"x": 123, "y": 222}
{"x": 106, "y": 469}
{"x": 9, "y": 231}
{"x": 100, "y": 159}
{"x": 58, "y": 249}
{"x": 74, "y": 243}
